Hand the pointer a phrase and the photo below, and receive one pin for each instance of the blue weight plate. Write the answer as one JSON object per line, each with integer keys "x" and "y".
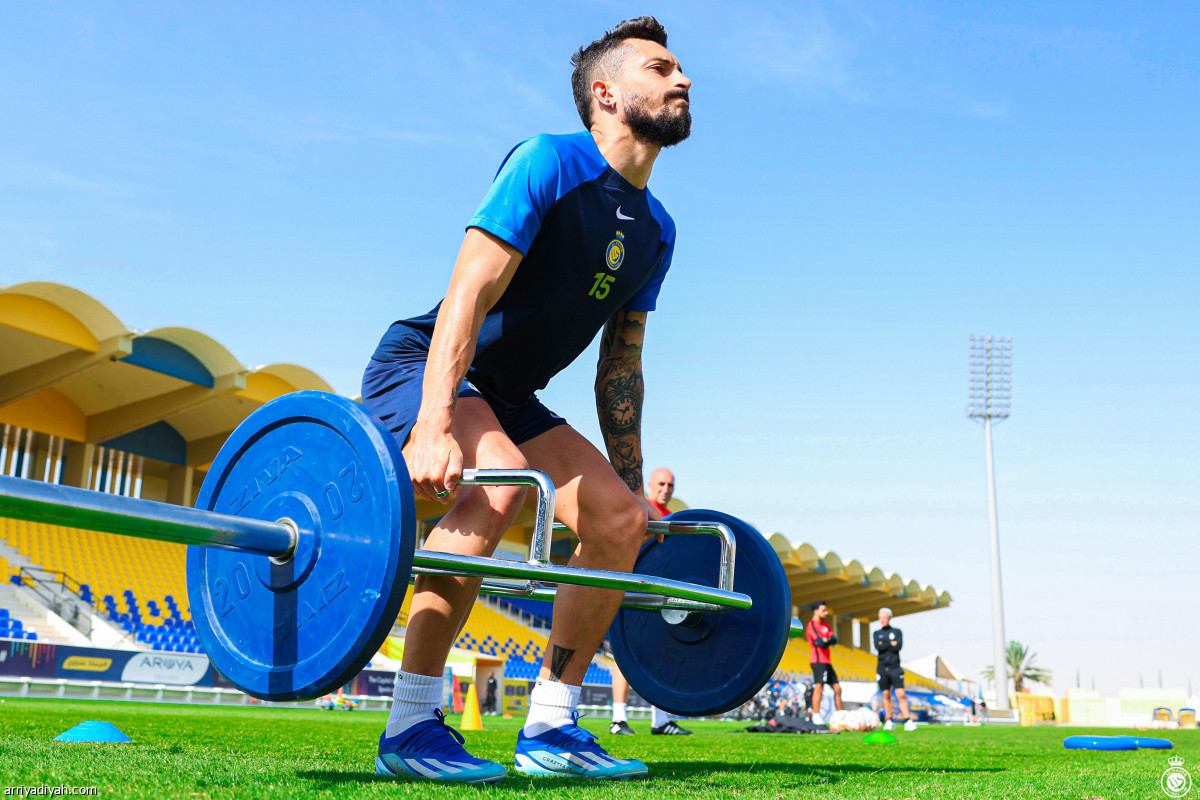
{"x": 306, "y": 627}
{"x": 722, "y": 660}
{"x": 1099, "y": 743}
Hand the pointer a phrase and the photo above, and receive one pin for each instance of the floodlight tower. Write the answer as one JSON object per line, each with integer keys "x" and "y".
{"x": 989, "y": 397}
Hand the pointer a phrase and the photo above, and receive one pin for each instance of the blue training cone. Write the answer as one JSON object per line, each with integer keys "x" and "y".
{"x": 93, "y": 731}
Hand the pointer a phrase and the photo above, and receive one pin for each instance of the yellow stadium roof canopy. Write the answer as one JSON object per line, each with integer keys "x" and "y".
{"x": 70, "y": 368}
{"x": 848, "y": 587}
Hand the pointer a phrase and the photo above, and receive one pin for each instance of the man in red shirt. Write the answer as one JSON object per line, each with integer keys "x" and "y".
{"x": 820, "y": 637}
{"x": 658, "y": 494}
{"x": 660, "y": 489}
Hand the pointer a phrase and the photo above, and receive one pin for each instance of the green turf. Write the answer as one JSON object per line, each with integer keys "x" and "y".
{"x": 200, "y": 752}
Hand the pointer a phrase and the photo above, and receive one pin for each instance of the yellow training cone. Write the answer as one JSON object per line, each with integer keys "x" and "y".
{"x": 471, "y": 721}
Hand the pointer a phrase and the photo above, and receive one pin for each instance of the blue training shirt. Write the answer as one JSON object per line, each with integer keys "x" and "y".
{"x": 593, "y": 244}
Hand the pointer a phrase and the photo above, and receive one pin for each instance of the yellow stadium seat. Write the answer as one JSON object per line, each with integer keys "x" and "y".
{"x": 485, "y": 621}
{"x": 108, "y": 564}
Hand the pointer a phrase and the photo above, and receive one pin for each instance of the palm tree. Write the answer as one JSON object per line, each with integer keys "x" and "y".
{"x": 1020, "y": 667}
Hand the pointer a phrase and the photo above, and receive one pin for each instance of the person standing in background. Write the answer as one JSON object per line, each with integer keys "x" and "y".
{"x": 889, "y": 673}
{"x": 489, "y": 702}
{"x": 659, "y": 492}
{"x": 661, "y": 489}
{"x": 820, "y": 638}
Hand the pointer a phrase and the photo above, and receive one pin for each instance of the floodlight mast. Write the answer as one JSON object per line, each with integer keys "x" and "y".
{"x": 989, "y": 396}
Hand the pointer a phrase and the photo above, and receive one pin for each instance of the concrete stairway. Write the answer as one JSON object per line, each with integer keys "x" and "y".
{"x": 49, "y": 627}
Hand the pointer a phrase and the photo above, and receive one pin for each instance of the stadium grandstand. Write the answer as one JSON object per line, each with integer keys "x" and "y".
{"x": 86, "y": 401}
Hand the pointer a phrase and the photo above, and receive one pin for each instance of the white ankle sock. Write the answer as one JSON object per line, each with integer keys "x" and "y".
{"x": 619, "y": 713}
{"x": 550, "y": 706}
{"x": 413, "y": 700}
{"x": 658, "y": 717}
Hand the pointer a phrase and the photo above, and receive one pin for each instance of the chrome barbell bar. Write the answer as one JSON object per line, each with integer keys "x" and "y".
{"x": 35, "y": 501}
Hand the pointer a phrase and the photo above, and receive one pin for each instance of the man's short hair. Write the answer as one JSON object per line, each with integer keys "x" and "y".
{"x": 818, "y": 604}
{"x": 887, "y": 611}
{"x": 603, "y": 56}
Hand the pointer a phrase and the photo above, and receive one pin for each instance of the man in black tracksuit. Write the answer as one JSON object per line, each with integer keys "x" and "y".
{"x": 889, "y": 673}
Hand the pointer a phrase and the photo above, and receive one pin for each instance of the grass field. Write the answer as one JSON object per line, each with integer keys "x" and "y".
{"x": 199, "y": 752}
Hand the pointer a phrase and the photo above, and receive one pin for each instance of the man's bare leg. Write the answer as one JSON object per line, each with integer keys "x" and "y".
{"x": 620, "y": 700}
{"x": 479, "y": 517}
{"x": 620, "y": 686}
{"x": 818, "y": 688}
{"x": 440, "y": 605}
{"x": 611, "y": 525}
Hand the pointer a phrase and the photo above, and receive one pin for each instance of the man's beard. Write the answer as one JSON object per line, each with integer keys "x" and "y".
{"x": 666, "y": 127}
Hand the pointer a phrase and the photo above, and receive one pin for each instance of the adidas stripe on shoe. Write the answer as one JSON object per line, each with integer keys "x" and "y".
{"x": 572, "y": 751}
{"x": 433, "y": 750}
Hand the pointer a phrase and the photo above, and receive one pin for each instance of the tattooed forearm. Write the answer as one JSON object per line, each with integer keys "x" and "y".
{"x": 619, "y": 394}
{"x": 558, "y": 662}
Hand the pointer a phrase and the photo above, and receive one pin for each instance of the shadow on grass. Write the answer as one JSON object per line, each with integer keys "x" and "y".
{"x": 793, "y": 773}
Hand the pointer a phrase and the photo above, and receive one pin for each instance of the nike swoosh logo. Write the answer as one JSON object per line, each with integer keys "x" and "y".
{"x": 620, "y": 215}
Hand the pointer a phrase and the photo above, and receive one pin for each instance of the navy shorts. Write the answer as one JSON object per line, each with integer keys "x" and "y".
{"x": 391, "y": 390}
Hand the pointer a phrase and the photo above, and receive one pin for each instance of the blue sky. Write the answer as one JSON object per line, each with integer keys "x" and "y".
{"x": 866, "y": 185}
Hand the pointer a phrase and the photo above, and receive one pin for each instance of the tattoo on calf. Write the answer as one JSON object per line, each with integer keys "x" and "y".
{"x": 558, "y": 662}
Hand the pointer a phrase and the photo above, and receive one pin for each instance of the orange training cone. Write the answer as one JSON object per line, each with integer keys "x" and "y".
{"x": 471, "y": 721}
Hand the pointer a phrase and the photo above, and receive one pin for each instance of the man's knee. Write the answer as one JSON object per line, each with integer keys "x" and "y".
{"x": 621, "y": 527}
{"x": 495, "y": 507}
{"x": 491, "y": 509}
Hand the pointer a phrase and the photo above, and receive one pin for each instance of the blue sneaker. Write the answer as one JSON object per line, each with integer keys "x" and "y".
{"x": 572, "y": 751}
{"x": 434, "y": 750}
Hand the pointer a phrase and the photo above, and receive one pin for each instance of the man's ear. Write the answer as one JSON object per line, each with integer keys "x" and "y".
{"x": 602, "y": 91}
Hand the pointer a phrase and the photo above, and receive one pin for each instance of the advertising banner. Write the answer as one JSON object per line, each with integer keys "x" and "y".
{"x": 373, "y": 683}
{"x": 172, "y": 669}
{"x": 28, "y": 659}
{"x": 36, "y": 660}
{"x": 515, "y": 699}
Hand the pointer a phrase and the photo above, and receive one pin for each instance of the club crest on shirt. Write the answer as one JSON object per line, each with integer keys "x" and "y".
{"x": 615, "y": 252}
